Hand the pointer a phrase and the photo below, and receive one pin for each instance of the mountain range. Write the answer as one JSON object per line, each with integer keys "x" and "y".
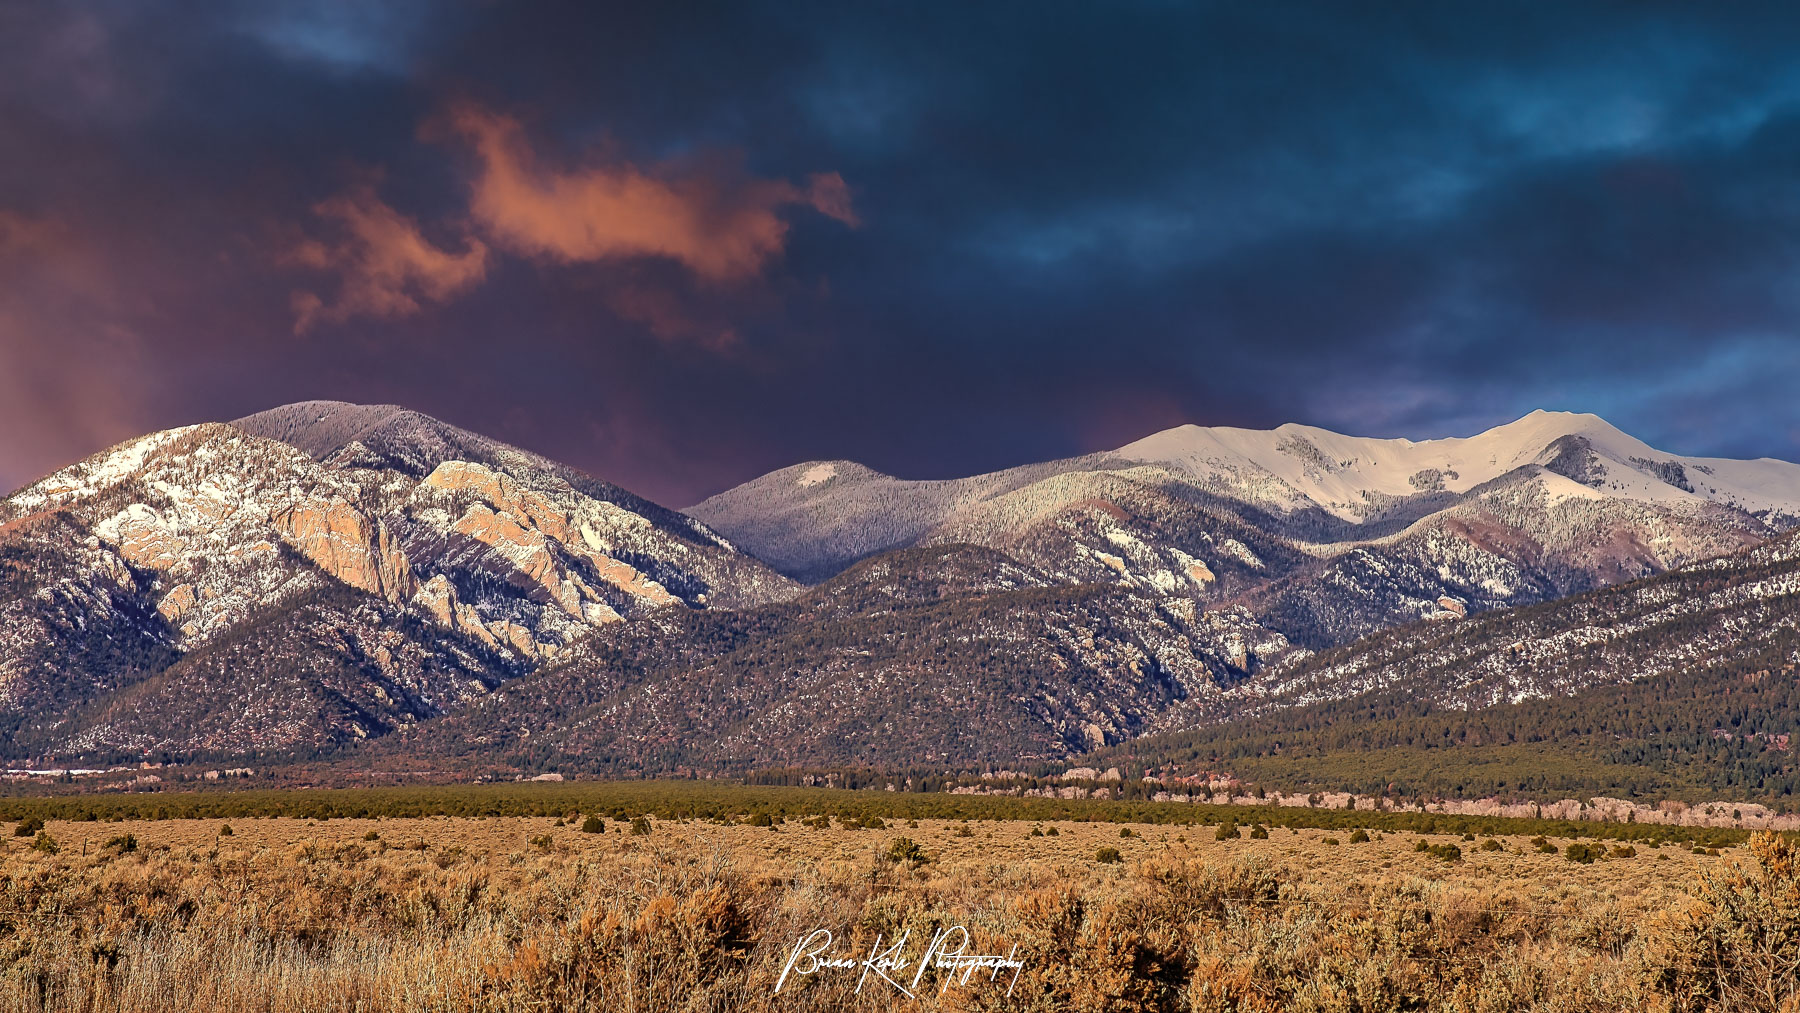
{"x": 1322, "y": 537}
{"x": 369, "y": 583}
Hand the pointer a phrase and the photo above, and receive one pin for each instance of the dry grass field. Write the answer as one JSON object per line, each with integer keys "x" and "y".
{"x": 445, "y": 913}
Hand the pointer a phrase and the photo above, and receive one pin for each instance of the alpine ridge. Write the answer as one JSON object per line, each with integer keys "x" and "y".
{"x": 1323, "y": 537}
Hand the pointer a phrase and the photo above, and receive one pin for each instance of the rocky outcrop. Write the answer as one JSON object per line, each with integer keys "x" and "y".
{"x": 1449, "y": 609}
{"x": 439, "y": 598}
{"x": 143, "y": 538}
{"x": 503, "y": 493}
{"x": 545, "y": 543}
{"x": 177, "y": 603}
{"x": 340, "y": 540}
{"x": 624, "y": 576}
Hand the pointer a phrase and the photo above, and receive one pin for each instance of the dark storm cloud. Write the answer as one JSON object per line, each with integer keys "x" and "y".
{"x": 680, "y": 246}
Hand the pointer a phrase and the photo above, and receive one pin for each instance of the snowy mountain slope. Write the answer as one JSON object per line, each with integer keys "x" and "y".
{"x": 124, "y": 568}
{"x": 814, "y": 519}
{"x": 1733, "y": 606}
{"x": 75, "y": 620}
{"x": 1315, "y": 486}
{"x": 951, "y": 654}
{"x": 307, "y": 674}
{"x": 212, "y": 523}
{"x": 1351, "y": 477}
{"x": 1530, "y": 535}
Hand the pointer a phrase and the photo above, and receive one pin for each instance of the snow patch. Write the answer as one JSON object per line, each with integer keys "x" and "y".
{"x": 1241, "y": 552}
{"x": 1124, "y": 539}
{"x": 135, "y": 515}
{"x": 1557, "y": 489}
{"x": 818, "y": 474}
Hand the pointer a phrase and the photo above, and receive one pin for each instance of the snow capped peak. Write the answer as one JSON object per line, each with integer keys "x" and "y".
{"x": 1529, "y": 435}
{"x": 1296, "y": 467}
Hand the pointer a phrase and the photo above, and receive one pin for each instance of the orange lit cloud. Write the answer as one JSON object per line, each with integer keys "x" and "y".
{"x": 721, "y": 230}
{"x": 387, "y": 265}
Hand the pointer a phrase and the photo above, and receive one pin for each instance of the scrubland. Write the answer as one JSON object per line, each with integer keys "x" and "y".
{"x": 536, "y": 913}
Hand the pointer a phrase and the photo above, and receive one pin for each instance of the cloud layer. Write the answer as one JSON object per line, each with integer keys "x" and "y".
{"x": 626, "y": 239}
{"x": 722, "y": 230}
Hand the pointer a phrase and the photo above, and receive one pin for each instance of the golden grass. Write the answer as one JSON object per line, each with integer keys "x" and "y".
{"x": 460, "y": 914}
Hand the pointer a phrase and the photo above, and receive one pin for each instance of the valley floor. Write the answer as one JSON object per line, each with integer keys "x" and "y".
{"x": 536, "y": 912}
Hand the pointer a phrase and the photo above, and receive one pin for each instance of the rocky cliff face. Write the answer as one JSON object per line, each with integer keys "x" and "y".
{"x": 348, "y": 545}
